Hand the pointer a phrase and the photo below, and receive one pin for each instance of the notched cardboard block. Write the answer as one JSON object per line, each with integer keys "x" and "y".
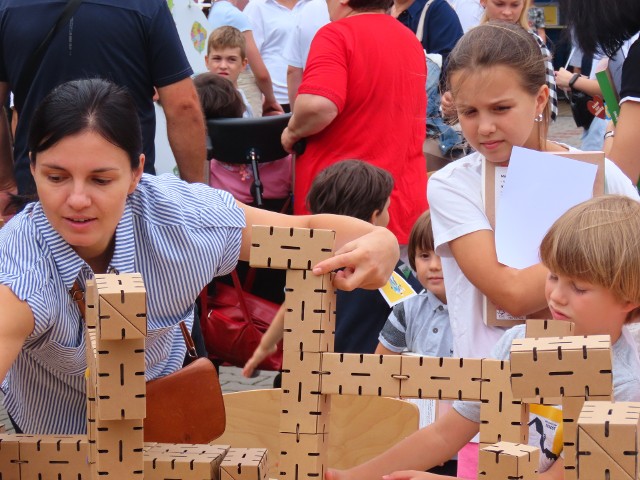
{"x": 91, "y": 299}
{"x": 361, "y": 374}
{"x": 121, "y": 386}
{"x": 127, "y": 295}
{"x": 53, "y": 457}
{"x": 119, "y": 452}
{"x": 594, "y": 462}
{"x": 112, "y": 325}
{"x": 549, "y": 328}
{"x": 9, "y": 457}
{"x": 614, "y": 428}
{"x": 302, "y": 456}
{"x": 561, "y": 366}
{"x": 290, "y": 248}
{"x": 304, "y": 412}
{"x": 441, "y": 378}
{"x": 571, "y": 408}
{"x": 309, "y": 319}
{"x": 245, "y": 464}
{"x": 502, "y": 418}
{"x": 177, "y": 461}
{"x": 508, "y": 461}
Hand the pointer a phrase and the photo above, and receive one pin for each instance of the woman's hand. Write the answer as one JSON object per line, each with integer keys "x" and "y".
{"x": 562, "y": 78}
{"x": 367, "y": 262}
{"x": 288, "y": 139}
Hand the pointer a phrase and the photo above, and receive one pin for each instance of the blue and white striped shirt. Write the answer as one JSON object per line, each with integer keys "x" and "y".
{"x": 177, "y": 235}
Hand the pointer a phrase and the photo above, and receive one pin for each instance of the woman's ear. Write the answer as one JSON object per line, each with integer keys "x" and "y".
{"x": 136, "y": 175}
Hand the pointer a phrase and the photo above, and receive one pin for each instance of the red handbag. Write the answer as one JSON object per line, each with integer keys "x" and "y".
{"x": 235, "y": 325}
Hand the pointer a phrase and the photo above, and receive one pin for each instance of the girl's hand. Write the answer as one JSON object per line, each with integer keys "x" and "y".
{"x": 411, "y": 475}
{"x": 447, "y": 105}
{"x": 258, "y": 356}
{"x": 367, "y": 262}
{"x": 562, "y": 78}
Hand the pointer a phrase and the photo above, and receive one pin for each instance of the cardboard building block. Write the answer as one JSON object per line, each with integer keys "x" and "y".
{"x": 508, "y": 461}
{"x": 127, "y": 295}
{"x": 113, "y": 325}
{"x": 302, "y": 456}
{"x": 9, "y": 457}
{"x": 549, "y": 328}
{"x": 51, "y": 457}
{"x": 91, "y": 299}
{"x": 164, "y": 461}
{"x": 303, "y": 408}
{"x": 290, "y": 248}
{"x": 119, "y": 452}
{"x": 571, "y": 408}
{"x": 245, "y": 464}
{"x": 309, "y": 319}
{"x": 441, "y": 378}
{"x": 502, "y": 418}
{"x": 120, "y": 380}
{"x": 361, "y": 374}
{"x": 608, "y": 439}
{"x": 561, "y": 366}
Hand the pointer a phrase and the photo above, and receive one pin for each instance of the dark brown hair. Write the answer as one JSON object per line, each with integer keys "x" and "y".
{"x": 421, "y": 237}
{"x": 350, "y": 187}
{"x": 218, "y": 96}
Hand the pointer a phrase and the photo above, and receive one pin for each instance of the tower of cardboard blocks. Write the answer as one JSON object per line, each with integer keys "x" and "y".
{"x": 550, "y": 366}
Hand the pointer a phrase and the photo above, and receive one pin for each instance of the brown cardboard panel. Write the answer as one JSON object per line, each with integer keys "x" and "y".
{"x": 508, "y": 461}
{"x": 127, "y": 294}
{"x": 561, "y": 366}
{"x": 163, "y": 466}
{"x": 309, "y": 321}
{"x": 121, "y": 386}
{"x": 615, "y": 427}
{"x": 119, "y": 448}
{"x": 595, "y": 463}
{"x": 52, "y": 457}
{"x": 112, "y": 325}
{"x": 502, "y": 418}
{"x": 245, "y": 464}
{"x": 361, "y": 374}
{"x": 302, "y": 367}
{"x": 302, "y": 456}
{"x": 304, "y": 412}
{"x": 290, "y": 248}
{"x": 91, "y": 303}
{"x": 549, "y": 328}
{"x": 571, "y": 408}
{"x": 441, "y": 378}
{"x": 9, "y": 457}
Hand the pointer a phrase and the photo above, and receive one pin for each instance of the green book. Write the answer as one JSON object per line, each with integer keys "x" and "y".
{"x": 610, "y": 94}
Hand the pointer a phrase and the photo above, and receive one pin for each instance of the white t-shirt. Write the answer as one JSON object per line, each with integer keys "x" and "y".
{"x": 469, "y": 12}
{"x": 273, "y": 24}
{"x": 311, "y": 17}
{"x": 457, "y": 209}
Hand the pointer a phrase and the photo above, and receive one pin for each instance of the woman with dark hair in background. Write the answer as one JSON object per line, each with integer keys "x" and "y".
{"x": 604, "y": 26}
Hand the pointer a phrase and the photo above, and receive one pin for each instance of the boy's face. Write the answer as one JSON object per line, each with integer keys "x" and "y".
{"x": 429, "y": 273}
{"x": 226, "y": 62}
{"x": 593, "y": 309}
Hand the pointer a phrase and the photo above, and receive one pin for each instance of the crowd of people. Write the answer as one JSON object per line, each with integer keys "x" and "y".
{"x": 360, "y": 79}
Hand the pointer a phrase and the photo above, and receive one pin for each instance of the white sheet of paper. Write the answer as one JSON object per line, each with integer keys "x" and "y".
{"x": 540, "y": 187}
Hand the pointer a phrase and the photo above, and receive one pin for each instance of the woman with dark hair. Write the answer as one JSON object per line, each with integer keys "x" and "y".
{"x": 604, "y": 27}
{"x": 97, "y": 212}
{"x": 363, "y": 96}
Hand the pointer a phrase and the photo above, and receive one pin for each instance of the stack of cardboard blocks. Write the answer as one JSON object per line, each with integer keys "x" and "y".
{"x": 116, "y": 407}
{"x": 541, "y": 370}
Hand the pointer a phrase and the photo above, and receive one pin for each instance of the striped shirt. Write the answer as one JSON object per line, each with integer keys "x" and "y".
{"x": 550, "y": 76}
{"x": 177, "y": 235}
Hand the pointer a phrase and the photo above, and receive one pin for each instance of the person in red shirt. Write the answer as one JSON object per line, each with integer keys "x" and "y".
{"x": 363, "y": 96}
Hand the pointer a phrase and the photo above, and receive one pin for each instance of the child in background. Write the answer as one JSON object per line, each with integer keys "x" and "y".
{"x": 498, "y": 80}
{"x": 227, "y": 57}
{"x": 220, "y": 99}
{"x": 420, "y": 324}
{"x": 593, "y": 255}
{"x": 356, "y": 189}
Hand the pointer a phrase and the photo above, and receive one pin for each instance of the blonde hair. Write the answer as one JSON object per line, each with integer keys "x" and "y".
{"x": 523, "y": 19}
{"x": 498, "y": 43}
{"x": 598, "y": 241}
{"x": 227, "y": 37}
